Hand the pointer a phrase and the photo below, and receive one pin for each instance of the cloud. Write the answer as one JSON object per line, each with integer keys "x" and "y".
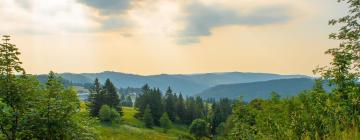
{"x": 201, "y": 19}
{"x": 112, "y": 12}
{"x": 115, "y": 23}
{"x": 107, "y": 7}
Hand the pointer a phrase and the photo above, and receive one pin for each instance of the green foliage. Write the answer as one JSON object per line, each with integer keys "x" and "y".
{"x": 95, "y": 98}
{"x": 126, "y": 101}
{"x": 344, "y": 68}
{"x": 219, "y": 113}
{"x": 169, "y": 104}
{"x": 180, "y": 108}
{"x": 103, "y": 95}
{"x": 165, "y": 122}
{"x": 151, "y": 98}
{"x": 312, "y": 114}
{"x": 31, "y": 111}
{"x": 148, "y": 119}
{"x": 108, "y": 114}
{"x": 199, "y": 128}
{"x": 105, "y": 113}
{"x": 111, "y": 97}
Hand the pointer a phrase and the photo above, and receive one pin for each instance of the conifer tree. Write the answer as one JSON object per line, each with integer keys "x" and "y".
{"x": 111, "y": 96}
{"x": 96, "y": 98}
{"x": 148, "y": 119}
{"x": 180, "y": 108}
{"x": 169, "y": 105}
{"x": 10, "y": 88}
{"x": 165, "y": 122}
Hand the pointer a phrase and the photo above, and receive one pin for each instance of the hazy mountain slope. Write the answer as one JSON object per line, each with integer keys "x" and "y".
{"x": 249, "y": 91}
{"x": 188, "y": 84}
{"x": 212, "y": 79}
{"x": 160, "y": 81}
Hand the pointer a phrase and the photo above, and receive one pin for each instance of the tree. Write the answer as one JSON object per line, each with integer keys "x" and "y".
{"x": 106, "y": 95}
{"x": 126, "y": 101}
{"x": 220, "y": 111}
{"x": 199, "y": 128}
{"x": 108, "y": 114}
{"x": 151, "y": 98}
{"x": 165, "y": 122}
{"x": 148, "y": 119}
{"x": 105, "y": 113}
{"x": 190, "y": 110}
{"x": 344, "y": 68}
{"x": 96, "y": 98}
{"x": 29, "y": 110}
{"x": 180, "y": 108}
{"x": 111, "y": 97}
{"x": 170, "y": 104}
{"x": 58, "y": 102}
{"x": 12, "y": 90}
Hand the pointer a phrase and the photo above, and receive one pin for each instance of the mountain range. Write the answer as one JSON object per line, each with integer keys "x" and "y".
{"x": 250, "y": 91}
{"x": 187, "y": 84}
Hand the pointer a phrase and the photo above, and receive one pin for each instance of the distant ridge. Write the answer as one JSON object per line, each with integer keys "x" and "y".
{"x": 188, "y": 84}
{"x": 249, "y": 91}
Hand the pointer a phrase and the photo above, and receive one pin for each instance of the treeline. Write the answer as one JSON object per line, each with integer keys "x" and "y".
{"x": 30, "y": 110}
{"x": 178, "y": 109}
{"x": 153, "y": 106}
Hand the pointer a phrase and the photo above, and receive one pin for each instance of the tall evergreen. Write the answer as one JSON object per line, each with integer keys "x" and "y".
{"x": 180, "y": 108}
{"x": 96, "y": 98}
{"x": 190, "y": 114}
{"x": 10, "y": 88}
{"x": 169, "y": 104}
{"x": 220, "y": 111}
{"x": 111, "y": 96}
{"x": 153, "y": 99}
{"x": 148, "y": 119}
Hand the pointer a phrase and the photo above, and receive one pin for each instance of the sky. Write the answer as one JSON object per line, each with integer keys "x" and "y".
{"x": 171, "y": 36}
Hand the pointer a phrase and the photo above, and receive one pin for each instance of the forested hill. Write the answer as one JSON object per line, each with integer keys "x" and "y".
{"x": 249, "y": 91}
{"x": 188, "y": 84}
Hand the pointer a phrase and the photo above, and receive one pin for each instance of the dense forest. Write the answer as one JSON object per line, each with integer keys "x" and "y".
{"x": 33, "y": 109}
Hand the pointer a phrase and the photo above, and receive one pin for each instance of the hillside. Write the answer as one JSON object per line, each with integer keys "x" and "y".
{"x": 188, "y": 84}
{"x": 133, "y": 129}
{"x": 249, "y": 91}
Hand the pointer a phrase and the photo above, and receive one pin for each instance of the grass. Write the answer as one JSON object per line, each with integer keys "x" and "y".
{"x": 133, "y": 129}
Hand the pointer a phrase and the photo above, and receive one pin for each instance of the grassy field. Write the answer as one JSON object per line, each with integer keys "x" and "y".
{"x": 133, "y": 129}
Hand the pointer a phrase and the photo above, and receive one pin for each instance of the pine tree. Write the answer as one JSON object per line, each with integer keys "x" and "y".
{"x": 59, "y": 101}
{"x": 170, "y": 104}
{"x": 96, "y": 98}
{"x": 156, "y": 105}
{"x": 190, "y": 110}
{"x": 220, "y": 111}
{"x": 9, "y": 87}
{"x": 148, "y": 119}
{"x": 111, "y": 97}
{"x": 180, "y": 108}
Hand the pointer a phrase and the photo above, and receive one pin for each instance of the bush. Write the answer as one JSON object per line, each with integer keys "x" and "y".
{"x": 108, "y": 114}
{"x": 165, "y": 122}
{"x": 105, "y": 113}
{"x": 199, "y": 128}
